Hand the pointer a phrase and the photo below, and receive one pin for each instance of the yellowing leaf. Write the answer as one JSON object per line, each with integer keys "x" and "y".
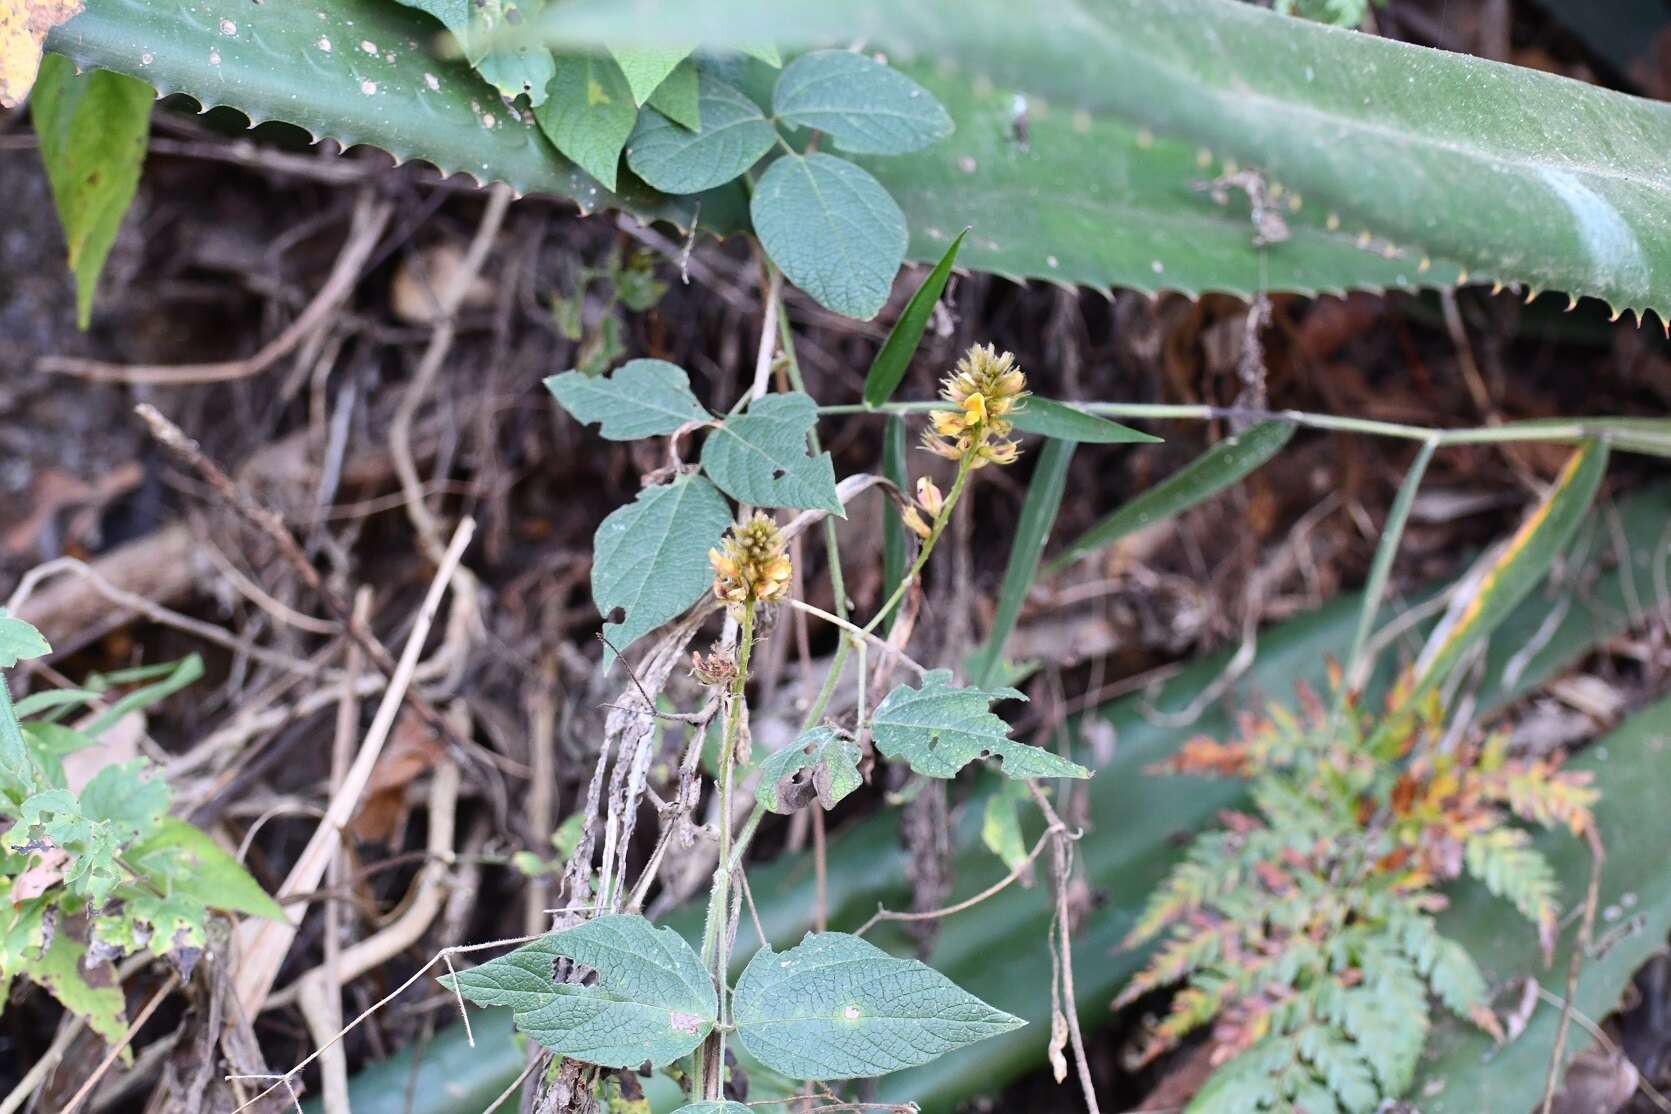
{"x": 23, "y": 28}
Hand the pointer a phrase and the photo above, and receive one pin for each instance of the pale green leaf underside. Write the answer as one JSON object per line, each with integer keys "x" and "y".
{"x": 939, "y": 729}
{"x": 732, "y": 137}
{"x": 650, "y": 557}
{"x": 652, "y": 1001}
{"x": 833, "y": 760}
{"x": 1049, "y": 418}
{"x": 646, "y": 68}
{"x": 836, "y": 1007}
{"x": 761, "y": 456}
{"x": 642, "y": 398}
{"x": 833, "y": 229}
{"x": 588, "y": 113}
{"x": 19, "y": 641}
{"x": 1520, "y": 176}
{"x": 864, "y": 106}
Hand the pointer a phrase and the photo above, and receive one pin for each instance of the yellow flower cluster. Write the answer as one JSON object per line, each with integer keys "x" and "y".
{"x": 929, "y": 499}
{"x": 751, "y": 564}
{"x": 987, "y": 388}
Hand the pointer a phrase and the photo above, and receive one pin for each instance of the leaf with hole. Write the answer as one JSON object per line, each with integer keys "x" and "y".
{"x": 833, "y": 760}
{"x": 833, "y": 229}
{"x": 732, "y": 136}
{"x": 588, "y": 113}
{"x": 652, "y": 1000}
{"x": 761, "y": 456}
{"x": 93, "y": 130}
{"x": 865, "y": 106}
{"x": 1049, "y": 418}
{"x": 514, "y": 64}
{"x": 1207, "y": 475}
{"x": 642, "y": 398}
{"x": 894, "y": 357}
{"x": 837, "y": 1007}
{"x": 940, "y": 728}
{"x": 650, "y": 557}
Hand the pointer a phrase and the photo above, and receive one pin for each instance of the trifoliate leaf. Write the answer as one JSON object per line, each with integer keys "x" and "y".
{"x": 647, "y": 67}
{"x": 650, "y": 557}
{"x": 864, "y": 106}
{"x": 678, "y": 97}
{"x": 19, "y": 641}
{"x": 732, "y": 136}
{"x": 588, "y": 113}
{"x": 642, "y": 398}
{"x": 833, "y": 760}
{"x": 1050, "y": 418}
{"x": 940, "y": 728}
{"x": 832, "y": 229}
{"x": 187, "y": 861}
{"x": 761, "y": 456}
{"x": 652, "y": 1000}
{"x": 836, "y": 1007}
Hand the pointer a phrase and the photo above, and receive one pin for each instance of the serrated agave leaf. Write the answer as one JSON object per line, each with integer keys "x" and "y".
{"x": 1208, "y": 474}
{"x": 833, "y": 229}
{"x": 19, "y": 641}
{"x": 642, "y": 398}
{"x": 837, "y": 1007}
{"x": 589, "y": 113}
{"x": 731, "y": 138}
{"x": 652, "y": 1000}
{"x": 833, "y": 760}
{"x": 939, "y": 729}
{"x": 865, "y": 106}
{"x": 1508, "y": 576}
{"x": 761, "y": 456}
{"x": 1049, "y": 418}
{"x": 650, "y": 557}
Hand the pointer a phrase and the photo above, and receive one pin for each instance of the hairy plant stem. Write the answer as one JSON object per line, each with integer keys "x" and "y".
{"x": 708, "y": 1075}
{"x": 936, "y": 528}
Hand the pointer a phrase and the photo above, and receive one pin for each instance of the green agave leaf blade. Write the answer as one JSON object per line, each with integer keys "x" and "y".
{"x": 642, "y": 398}
{"x": 837, "y": 1007}
{"x": 939, "y": 729}
{"x": 865, "y": 106}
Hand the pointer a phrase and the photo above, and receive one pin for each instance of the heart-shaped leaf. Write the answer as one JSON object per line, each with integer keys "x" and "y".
{"x": 643, "y": 398}
{"x": 732, "y": 136}
{"x": 939, "y": 729}
{"x": 836, "y": 1007}
{"x": 652, "y": 1000}
{"x": 761, "y": 456}
{"x": 866, "y": 107}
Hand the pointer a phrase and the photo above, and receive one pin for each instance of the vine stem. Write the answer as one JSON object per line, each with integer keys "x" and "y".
{"x": 709, "y": 1064}
{"x": 1512, "y": 432}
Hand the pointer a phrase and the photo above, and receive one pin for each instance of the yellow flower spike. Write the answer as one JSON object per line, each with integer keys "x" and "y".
{"x": 986, "y": 387}
{"x": 752, "y": 563}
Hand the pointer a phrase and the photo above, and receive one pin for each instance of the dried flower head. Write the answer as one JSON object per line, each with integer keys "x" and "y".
{"x": 717, "y": 668}
{"x": 987, "y": 388}
{"x": 751, "y": 564}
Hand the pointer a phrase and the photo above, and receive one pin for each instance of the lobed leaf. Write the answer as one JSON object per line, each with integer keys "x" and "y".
{"x": 731, "y": 137}
{"x": 833, "y": 760}
{"x": 642, "y": 398}
{"x": 865, "y": 106}
{"x": 837, "y": 1007}
{"x": 939, "y": 729}
{"x": 650, "y": 557}
{"x": 652, "y": 1001}
{"x": 761, "y": 456}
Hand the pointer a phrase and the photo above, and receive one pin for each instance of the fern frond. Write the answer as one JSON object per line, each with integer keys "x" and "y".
{"x": 1341, "y": 1066}
{"x": 1539, "y": 792}
{"x": 1512, "y": 869}
{"x": 1451, "y": 973}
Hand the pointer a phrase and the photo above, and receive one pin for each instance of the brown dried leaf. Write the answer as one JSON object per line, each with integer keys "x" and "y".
{"x": 23, "y": 28}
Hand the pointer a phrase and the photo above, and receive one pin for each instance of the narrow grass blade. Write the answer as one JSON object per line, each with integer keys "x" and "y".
{"x": 1204, "y": 477}
{"x": 1495, "y": 589}
{"x": 893, "y": 530}
{"x": 1376, "y": 586}
{"x": 1038, "y": 515}
{"x": 888, "y": 368}
{"x": 1049, "y": 418}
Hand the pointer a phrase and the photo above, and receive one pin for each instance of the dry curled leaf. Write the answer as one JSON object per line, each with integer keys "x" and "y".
{"x": 23, "y": 28}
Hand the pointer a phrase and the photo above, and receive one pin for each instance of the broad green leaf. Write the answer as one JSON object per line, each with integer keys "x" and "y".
{"x": 939, "y": 729}
{"x": 589, "y": 113}
{"x": 515, "y": 65}
{"x": 833, "y": 760}
{"x": 1517, "y": 175}
{"x": 650, "y": 557}
{"x": 642, "y": 398}
{"x": 732, "y": 137}
{"x": 894, "y": 357}
{"x": 652, "y": 1000}
{"x": 1511, "y": 574}
{"x": 93, "y": 129}
{"x": 94, "y": 996}
{"x": 865, "y": 106}
{"x": 1001, "y": 824}
{"x": 761, "y": 456}
{"x": 1049, "y": 418}
{"x": 833, "y": 229}
{"x": 19, "y": 641}
{"x": 124, "y": 798}
{"x": 1207, "y": 475}
{"x": 647, "y": 68}
{"x": 678, "y": 97}
{"x": 1038, "y": 515}
{"x": 837, "y": 1007}
{"x": 192, "y": 863}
